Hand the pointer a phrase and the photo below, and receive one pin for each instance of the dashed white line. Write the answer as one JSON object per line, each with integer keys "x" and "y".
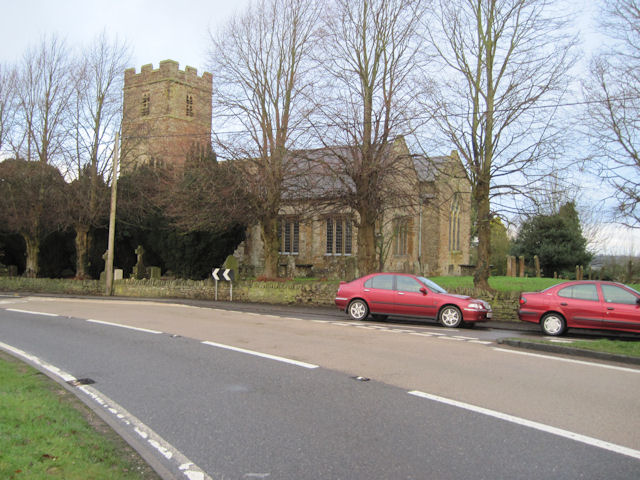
{"x": 531, "y": 424}
{"x": 155, "y": 332}
{"x": 260, "y": 354}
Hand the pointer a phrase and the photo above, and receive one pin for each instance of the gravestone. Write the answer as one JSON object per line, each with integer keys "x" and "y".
{"x": 291, "y": 267}
{"x": 139, "y": 271}
{"x": 154, "y": 272}
{"x": 118, "y": 274}
{"x": 509, "y": 265}
{"x": 522, "y": 266}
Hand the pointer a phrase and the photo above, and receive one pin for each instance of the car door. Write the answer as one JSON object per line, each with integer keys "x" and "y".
{"x": 411, "y": 301}
{"x": 621, "y": 308}
{"x": 581, "y": 305}
{"x": 380, "y": 294}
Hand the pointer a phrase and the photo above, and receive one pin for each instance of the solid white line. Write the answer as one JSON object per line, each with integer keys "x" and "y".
{"x": 263, "y": 355}
{"x": 567, "y": 360}
{"x": 594, "y": 442}
{"x": 32, "y": 313}
{"x": 155, "y": 441}
{"x": 37, "y": 362}
{"x": 124, "y": 326}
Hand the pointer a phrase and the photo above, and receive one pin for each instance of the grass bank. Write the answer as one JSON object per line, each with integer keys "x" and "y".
{"x": 46, "y": 432}
{"x": 629, "y": 348}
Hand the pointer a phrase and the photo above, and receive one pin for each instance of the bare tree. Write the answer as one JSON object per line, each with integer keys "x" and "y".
{"x": 98, "y": 112}
{"x": 613, "y": 96}
{"x": 45, "y": 88}
{"x": 369, "y": 51}
{"x": 502, "y": 70}
{"x": 7, "y": 103}
{"x": 260, "y": 63}
{"x": 42, "y": 132}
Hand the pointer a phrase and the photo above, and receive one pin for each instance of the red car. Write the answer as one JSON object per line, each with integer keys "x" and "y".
{"x": 582, "y": 304}
{"x": 404, "y": 295}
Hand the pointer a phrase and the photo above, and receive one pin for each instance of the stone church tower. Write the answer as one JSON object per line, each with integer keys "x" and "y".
{"x": 166, "y": 114}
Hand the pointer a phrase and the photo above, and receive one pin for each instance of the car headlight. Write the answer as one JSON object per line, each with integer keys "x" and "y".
{"x": 475, "y": 306}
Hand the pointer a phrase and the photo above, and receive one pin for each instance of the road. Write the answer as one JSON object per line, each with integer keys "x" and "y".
{"x": 245, "y": 393}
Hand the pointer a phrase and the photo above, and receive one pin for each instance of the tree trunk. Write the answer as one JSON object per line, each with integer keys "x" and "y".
{"x": 482, "y": 272}
{"x": 83, "y": 244}
{"x": 367, "y": 243}
{"x": 33, "y": 251}
{"x": 269, "y": 234}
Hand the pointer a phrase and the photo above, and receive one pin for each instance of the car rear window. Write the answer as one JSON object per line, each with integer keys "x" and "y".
{"x": 580, "y": 292}
{"x": 382, "y": 282}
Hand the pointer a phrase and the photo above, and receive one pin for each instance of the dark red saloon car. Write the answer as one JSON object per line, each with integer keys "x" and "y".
{"x": 582, "y": 304}
{"x": 399, "y": 294}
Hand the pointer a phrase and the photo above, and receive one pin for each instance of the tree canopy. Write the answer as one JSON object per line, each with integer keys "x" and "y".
{"x": 556, "y": 239}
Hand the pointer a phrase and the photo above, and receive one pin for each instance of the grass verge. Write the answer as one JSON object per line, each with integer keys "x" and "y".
{"x": 629, "y": 348}
{"x": 47, "y": 433}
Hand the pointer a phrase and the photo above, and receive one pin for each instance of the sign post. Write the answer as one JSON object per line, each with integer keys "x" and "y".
{"x": 224, "y": 274}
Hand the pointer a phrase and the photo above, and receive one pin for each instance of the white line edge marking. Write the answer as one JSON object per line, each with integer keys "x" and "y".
{"x": 32, "y": 313}
{"x": 567, "y": 360}
{"x": 124, "y": 326}
{"x": 594, "y": 442}
{"x": 190, "y": 470}
{"x": 263, "y": 355}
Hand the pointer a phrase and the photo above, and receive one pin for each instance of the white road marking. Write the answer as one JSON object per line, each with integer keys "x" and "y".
{"x": 567, "y": 360}
{"x": 175, "y": 457}
{"x": 124, "y": 326}
{"x": 32, "y": 313}
{"x": 594, "y": 442}
{"x": 263, "y": 355}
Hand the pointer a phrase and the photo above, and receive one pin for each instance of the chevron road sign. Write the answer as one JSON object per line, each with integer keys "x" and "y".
{"x": 225, "y": 274}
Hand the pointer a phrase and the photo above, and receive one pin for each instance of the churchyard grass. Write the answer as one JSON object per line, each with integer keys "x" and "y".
{"x": 46, "y": 432}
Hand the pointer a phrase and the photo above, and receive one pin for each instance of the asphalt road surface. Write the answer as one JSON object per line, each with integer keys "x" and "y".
{"x": 228, "y": 394}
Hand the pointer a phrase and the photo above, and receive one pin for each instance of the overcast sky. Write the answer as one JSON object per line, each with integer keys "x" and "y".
{"x": 178, "y": 29}
{"x": 155, "y": 29}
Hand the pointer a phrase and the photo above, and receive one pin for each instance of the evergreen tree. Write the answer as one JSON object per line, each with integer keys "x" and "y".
{"x": 556, "y": 239}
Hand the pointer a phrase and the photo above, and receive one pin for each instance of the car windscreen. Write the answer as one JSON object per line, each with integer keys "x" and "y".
{"x": 432, "y": 285}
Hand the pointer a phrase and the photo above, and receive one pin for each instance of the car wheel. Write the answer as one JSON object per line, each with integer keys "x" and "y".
{"x": 358, "y": 310}
{"x": 553, "y": 324}
{"x": 379, "y": 318}
{"x": 450, "y": 317}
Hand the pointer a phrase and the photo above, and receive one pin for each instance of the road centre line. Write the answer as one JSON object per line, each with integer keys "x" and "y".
{"x": 32, "y": 313}
{"x": 594, "y": 442}
{"x": 118, "y": 415}
{"x": 567, "y": 360}
{"x": 155, "y": 332}
{"x": 263, "y": 355}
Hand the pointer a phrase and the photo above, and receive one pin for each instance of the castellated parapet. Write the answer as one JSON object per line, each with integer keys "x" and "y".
{"x": 166, "y": 114}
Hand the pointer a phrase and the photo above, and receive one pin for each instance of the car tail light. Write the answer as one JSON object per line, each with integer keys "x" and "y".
{"x": 523, "y": 300}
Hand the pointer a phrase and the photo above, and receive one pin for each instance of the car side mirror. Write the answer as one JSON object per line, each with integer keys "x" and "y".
{"x": 424, "y": 291}
{"x": 638, "y": 301}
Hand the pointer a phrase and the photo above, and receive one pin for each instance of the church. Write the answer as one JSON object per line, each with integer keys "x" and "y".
{"x": 167, "y": 112}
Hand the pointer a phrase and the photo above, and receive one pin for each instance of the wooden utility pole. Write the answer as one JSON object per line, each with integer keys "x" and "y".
{"x": 112, "y": 222}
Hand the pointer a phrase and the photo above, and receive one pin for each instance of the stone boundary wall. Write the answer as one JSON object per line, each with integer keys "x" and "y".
{"x": 504, "y": 304}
